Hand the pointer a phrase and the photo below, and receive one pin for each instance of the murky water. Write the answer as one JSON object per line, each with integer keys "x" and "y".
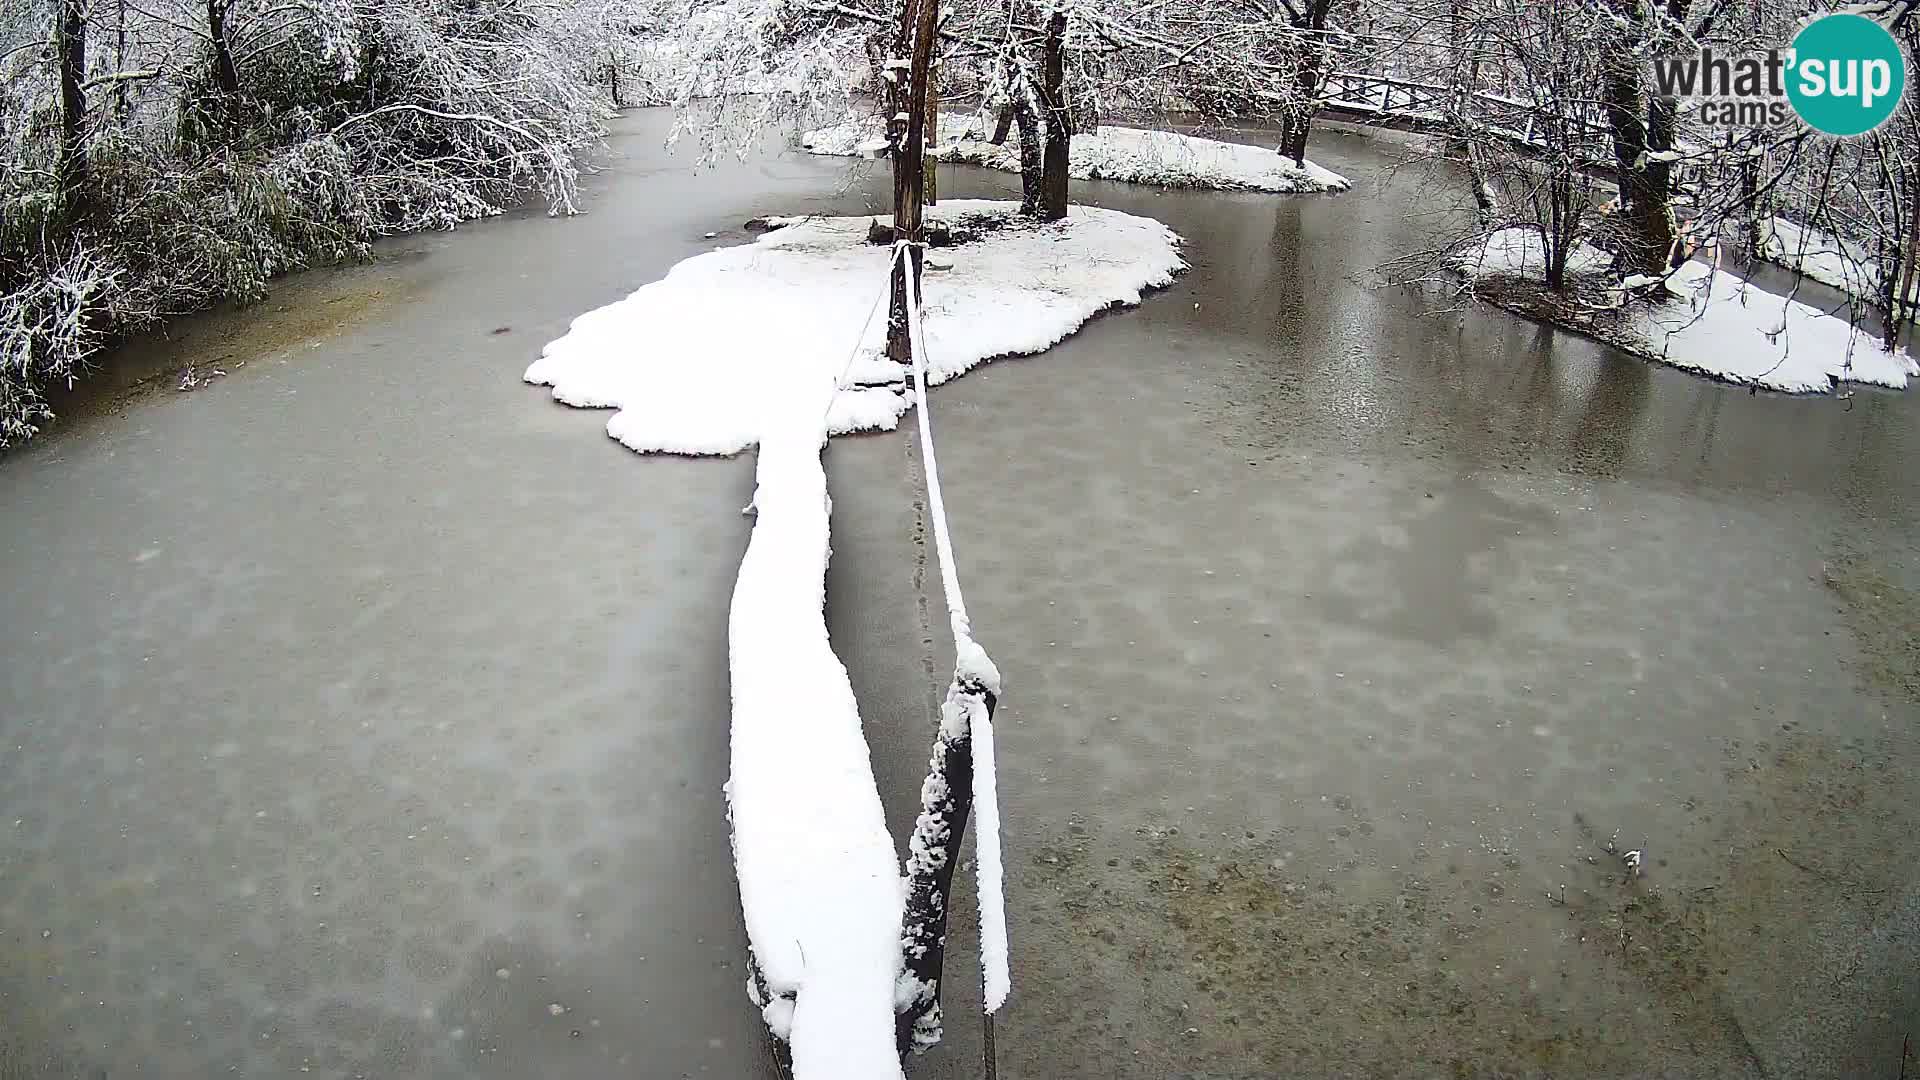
{"x": 365, "y": 712}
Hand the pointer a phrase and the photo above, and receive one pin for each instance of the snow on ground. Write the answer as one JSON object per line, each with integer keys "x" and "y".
{"x": 1134, "y": 155}
{"x": 1821, "y": 257}
{"x": 761, "y": 344}
{"x": 1718, "y": 324}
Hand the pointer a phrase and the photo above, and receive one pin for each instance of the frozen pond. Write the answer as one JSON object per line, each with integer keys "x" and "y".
{"x": 365, "y": 713}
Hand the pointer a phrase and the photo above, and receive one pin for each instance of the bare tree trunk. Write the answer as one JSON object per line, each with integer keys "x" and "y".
{"x": 1646, "y": 199}
{"x": 1903, "y": 273}
{"x": 1462, "y": 93}
{"x": 70, "y": 39}
{"x": 1640, "y": 209}
{"x": 1555, "y": 242}
{"x": 1641, "y": 130}
{"x": 1032, "y": 179}
{"x": 1059, "y": 123}
{"x": 1306, "y": 84}
{"x": 613, "y": 76}
{"x": 226, "y": 76}
{"x": 1658, "y": 224}
{"x": 1002, "y": 124}
{"x": 121, "y": 108}
{"x": 931, "y": 165}
{"x": 1310, "y": 25}
{"x": 1755, "y": 221}
{"x": 908, "y": 170}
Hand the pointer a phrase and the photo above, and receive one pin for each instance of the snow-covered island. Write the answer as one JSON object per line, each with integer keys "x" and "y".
{"x": 1699, "y": 318}
{"x": 1132, "y": 155}
{"x": 777, "y": 324}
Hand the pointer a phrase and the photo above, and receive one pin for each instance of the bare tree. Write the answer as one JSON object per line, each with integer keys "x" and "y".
{"x": 203, "y": 146}
{"x": 70, "y": 44}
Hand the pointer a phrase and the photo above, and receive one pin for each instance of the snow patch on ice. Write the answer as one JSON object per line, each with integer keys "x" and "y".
{"x": 1133, "y": 155}
{"x": 1715, "y": 322}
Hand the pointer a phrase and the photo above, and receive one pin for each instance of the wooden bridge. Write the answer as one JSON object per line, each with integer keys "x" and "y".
{"x": 1406, "y": 105}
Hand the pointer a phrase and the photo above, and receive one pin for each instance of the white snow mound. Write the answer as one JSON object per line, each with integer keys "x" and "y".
{"x": 1717, "y": 323}
{"x": 705, "y": 359}
{"x": 1133, "y": 155}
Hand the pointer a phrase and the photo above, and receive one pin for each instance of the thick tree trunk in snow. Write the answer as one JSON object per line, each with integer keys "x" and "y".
{"x": 909, "y": 157}
{"x": 1642, "y": 131}
{"x": 931, "y": 165}
{"x": 1296, "y": 123}
{"x": 1059, "y": 123}
{"x": 1032, "y": 177}
{"x": 1753, "y": 214}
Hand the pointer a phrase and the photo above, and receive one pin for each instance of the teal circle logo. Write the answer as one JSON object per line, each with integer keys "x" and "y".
{"x": 1848, "y": 75}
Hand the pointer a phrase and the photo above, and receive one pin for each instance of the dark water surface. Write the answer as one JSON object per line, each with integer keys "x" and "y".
{"x": 365, "y": 712}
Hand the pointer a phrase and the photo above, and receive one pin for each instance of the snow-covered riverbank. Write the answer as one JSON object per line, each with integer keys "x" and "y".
{"x": 1845, "y": 265}
{"x": 1710, "y": 321}
{"x": 1132, "y": 155}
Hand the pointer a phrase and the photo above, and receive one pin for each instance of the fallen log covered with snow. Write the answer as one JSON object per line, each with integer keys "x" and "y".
{"x": 763, "y": 344}
{"x": 820, "y": 886}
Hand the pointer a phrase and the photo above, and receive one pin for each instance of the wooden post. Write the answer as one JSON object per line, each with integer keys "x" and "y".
{"x": 941, "y": 824}
{"x": 909, "y": 177}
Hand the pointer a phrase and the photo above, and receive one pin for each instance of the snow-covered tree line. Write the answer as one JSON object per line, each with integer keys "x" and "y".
{"x": 1551, "y": 110}
{"x": 1040, "y": 69}
{"x": 160, "y": 155}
